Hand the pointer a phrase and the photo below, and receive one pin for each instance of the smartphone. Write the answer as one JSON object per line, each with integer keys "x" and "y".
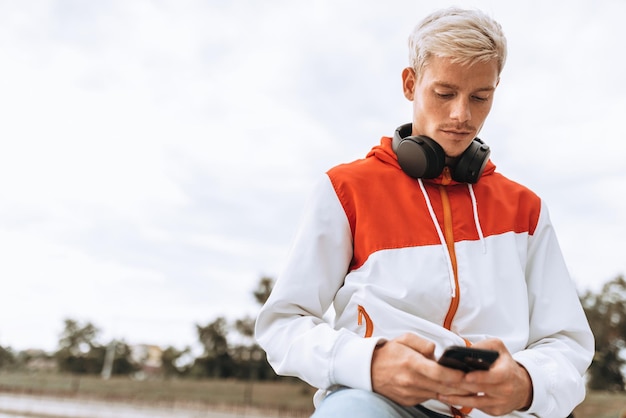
{"x": 468, "y": 359}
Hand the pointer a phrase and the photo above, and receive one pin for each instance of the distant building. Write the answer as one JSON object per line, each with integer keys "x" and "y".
{"x": 36, "y": 360}
{"x": 149, "y": 358}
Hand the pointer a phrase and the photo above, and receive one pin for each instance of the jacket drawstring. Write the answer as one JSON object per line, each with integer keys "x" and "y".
{"x": 442, "y": 239}
{"x": 476, "y": 220}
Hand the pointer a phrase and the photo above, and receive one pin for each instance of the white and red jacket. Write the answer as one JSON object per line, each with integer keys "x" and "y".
{"x": 451, "y": 262}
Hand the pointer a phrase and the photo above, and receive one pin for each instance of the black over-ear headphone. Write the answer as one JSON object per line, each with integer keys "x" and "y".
{"x": 422, "y": 157}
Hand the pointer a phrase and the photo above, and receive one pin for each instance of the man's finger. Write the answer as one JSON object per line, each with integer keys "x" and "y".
{"x": 423, "y": 346}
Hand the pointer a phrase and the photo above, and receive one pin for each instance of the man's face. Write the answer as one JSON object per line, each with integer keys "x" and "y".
{"x": 451, "y": 101}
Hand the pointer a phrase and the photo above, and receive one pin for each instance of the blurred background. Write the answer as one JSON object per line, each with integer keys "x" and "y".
{"x": 155, "y": 155}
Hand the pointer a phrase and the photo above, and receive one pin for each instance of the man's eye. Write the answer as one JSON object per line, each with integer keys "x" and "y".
{"x": 480, "y": 99}
{"x": 444, "y": 95}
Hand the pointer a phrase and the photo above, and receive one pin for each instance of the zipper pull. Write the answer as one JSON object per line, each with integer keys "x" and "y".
{"x": 369, "y": 325}
{"x": 447, "y": 176}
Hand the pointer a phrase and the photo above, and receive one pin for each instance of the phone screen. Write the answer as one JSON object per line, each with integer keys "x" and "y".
{"x": 468, "y": 359}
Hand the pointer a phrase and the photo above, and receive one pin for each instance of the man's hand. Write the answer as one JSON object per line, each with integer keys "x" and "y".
{"x": 504, "y": 388}
{"x": 404, "y": 370}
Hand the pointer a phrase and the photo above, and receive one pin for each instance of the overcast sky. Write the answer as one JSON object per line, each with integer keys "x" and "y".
{"x": 155, "y": 155}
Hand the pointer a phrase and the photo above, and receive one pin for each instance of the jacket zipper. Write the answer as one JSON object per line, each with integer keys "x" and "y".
{"x": 448, "y": 233}
{"x": 449, "y": 236}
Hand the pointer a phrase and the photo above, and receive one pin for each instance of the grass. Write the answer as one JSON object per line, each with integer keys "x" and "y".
{"x": 290, "y": 397}
{"x": 602, "y": 405}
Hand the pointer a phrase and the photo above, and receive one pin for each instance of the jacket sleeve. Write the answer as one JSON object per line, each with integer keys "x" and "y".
{"x": 561, "y": 344}
{"x": 291, "y": 327}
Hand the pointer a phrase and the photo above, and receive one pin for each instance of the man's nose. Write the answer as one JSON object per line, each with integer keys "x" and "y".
{"x": 460, "y": 110}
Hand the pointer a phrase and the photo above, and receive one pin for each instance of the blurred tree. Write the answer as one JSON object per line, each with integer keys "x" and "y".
{"x": 245, "y": 327}
{"x": 76, "y": 338}
{"x": 216, "y": 360}
{"x": 7, "y": 358}
{"x": 249, "y": 356}
{"x": 263, "y": 290}
{"x": 123, "y": 363}
{"x": 246, "y": 359}
{"x": 213, "y": 337}
{"x": 170, "y": 361}
{"x": 606, "y": 312}
{"x": 78, "y": 351}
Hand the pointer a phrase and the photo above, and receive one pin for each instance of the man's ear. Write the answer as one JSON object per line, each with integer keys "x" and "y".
{"x": 408, "y": 82}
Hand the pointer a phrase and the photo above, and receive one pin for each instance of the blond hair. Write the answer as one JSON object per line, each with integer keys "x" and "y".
{"x": 465, "y": 36}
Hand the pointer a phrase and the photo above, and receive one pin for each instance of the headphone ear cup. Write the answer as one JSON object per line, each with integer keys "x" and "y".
{"x": 472, "y": 162}
{"x": 420, "y": 157}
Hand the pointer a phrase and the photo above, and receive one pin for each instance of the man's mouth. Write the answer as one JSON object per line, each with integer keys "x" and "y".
{"x": 453, "y": 132}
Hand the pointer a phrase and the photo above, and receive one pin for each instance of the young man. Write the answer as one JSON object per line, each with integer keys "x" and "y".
{"x": 422, "y": 245}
